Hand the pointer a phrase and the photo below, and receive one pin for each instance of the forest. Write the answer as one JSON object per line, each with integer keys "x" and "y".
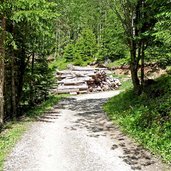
{"x": 78, "y": 32}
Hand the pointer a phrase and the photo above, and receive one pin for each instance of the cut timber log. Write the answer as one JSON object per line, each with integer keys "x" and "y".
{"x": 75, "y": 68}
{"x": 80, "y": 87}
{"x": 74, "y": 74}
{"x": 67, "y": 91}
{"x": 71, "y": 82}
{"x": 80, "y": 80}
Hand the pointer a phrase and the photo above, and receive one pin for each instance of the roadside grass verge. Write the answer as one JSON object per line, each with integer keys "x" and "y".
{"x": 147, "y": 118}
{"x": 126, "y": 82}
{"x": 119, "y": 62}
{"x": 12, "y": 131}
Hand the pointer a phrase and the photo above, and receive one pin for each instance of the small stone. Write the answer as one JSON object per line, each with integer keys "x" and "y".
{"x": 102, "y": 122}
{"x": 114, "y": 146}
{"x": 127, "y": 161}
{"x": 148, "y": 163}
{"x": 121, "y": 139}
{"x": 134, "y": 157}
{"x": 109, "y": 125}
{"x": 122, "y": 144}
{"x": 136, "y": 167}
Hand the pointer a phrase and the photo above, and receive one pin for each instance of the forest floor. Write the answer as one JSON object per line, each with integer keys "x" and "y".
{"x": 76, "y": 135}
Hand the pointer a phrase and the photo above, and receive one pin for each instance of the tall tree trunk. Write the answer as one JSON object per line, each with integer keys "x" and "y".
{"x": 20, "y": 76}
{"x": 32, "y": 81}
{"x": 136, "y": 49}
{"x": 143, "y": 48}
{"x": 142, "y": 66}
{"x": 2, "y": 56}
{"x": 13, "y": 87}
{"x": 134, "y": 71}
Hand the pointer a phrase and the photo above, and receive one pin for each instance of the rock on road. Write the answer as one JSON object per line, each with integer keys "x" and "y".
{"x": 77, "y": 136}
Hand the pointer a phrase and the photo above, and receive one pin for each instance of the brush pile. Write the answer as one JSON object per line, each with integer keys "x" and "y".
{"x": 79, "y": 80}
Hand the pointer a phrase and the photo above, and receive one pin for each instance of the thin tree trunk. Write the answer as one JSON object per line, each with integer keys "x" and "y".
{"x": 142, "y": 66}
{"x": 143, "y": 48}
{"x": 31, "y": 83}
{"x": 2, "y": 56}
{"x": 134, "y": 72}
{"x": 21, "y": 72}
{"x": 13, "y": 86}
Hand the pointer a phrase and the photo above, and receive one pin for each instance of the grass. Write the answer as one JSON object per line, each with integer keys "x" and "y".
{"x": 59, "y": 63}
{"x": 126, "y": 82}
{"x": 119, "y": 62}
{"x": 9, "y": 138}
{"x": 62, "y": 63}
{"x": 147, "y": 118}
{"x": 13, "y": 131}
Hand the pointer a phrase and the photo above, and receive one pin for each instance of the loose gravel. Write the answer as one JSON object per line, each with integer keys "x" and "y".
{"x": 76, "y": 135}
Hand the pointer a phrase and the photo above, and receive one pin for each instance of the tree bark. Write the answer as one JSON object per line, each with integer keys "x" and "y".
{"x": 142, "y": 66}
{"x": 2, "y": 56}
{"x": 21, "y": 72}
{"x": 13, "y": 87}
{"x": 32, "y": 81}
{"x": 134, "y": 71}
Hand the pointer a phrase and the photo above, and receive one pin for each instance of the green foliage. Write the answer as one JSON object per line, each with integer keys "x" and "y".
{"x": 161, "y": 47}
{"x": 83, "y": 50}
{"x": 69, "y": 52}
{"x": 89, "y": 31}
{"x": 163, "y": 25}
{"x": 119, "y": 62}
{"x": 85, "y": 47}
{"x": 113, "y": 44}
{"x": 37, "y": 82}
{"x": 147, "y": 117}
{"x": 126, "y": 83}
{"x": 59, "y": 63}
{"x": 30, "y": 32}
{"x": 9, "y": 138}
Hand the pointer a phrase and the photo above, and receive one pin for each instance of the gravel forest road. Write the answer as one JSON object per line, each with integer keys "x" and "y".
{"x": 77, "y": 136}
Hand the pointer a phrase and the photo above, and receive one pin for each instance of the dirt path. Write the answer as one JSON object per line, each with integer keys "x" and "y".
{"x": 76, "y": 136}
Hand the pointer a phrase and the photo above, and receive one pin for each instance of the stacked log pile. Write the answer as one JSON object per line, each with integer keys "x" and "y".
{"x": 79, "y": 80}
